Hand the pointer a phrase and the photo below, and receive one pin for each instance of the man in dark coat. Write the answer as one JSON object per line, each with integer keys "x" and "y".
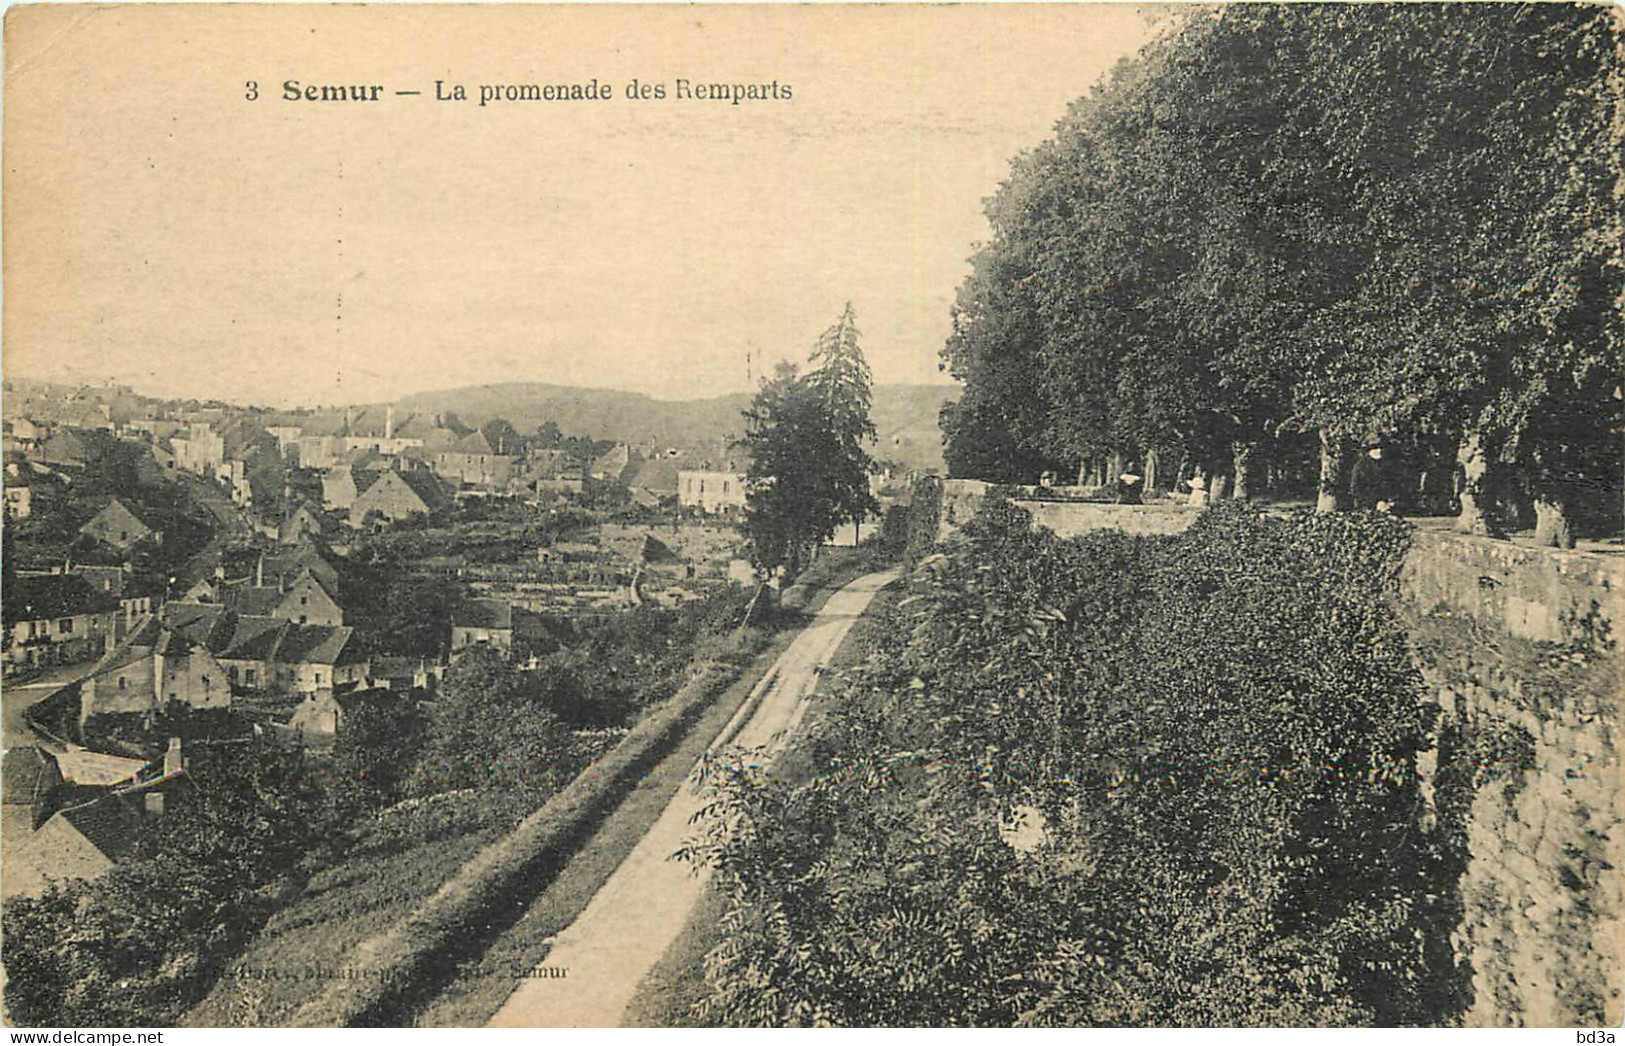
{"x": 1371, "y": 485}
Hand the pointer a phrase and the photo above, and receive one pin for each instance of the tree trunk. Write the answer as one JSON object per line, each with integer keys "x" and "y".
{"x": 1114, "y": 466}
{"x": 1473, "y": 464}
{"x": 1333, "y": 496}
{"x": 1242, "y": 451}
{"x": 1552, "y": 529}
{"x": 1083, "y": 471}
{"x": 1150, "y": 471}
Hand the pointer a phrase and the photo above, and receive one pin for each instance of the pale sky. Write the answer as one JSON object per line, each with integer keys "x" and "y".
{"x": 163, "y": 231}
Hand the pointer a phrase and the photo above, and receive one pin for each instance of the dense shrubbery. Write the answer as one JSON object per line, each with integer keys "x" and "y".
{"x": 1113, "y": 780}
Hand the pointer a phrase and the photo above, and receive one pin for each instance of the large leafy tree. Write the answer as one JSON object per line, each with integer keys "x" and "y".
{"x": 809, "y": 467}
{"x": 840, "y": 381}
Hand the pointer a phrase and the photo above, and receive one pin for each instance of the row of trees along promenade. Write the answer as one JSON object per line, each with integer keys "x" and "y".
{"x": 1286, "y": 232}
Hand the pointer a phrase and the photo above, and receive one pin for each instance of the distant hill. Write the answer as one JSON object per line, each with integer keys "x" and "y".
{"x": 905, "y": 416}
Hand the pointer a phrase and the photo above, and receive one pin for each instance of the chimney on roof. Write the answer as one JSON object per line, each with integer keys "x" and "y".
{"x": 172, "y": 757}
{"x": 389, "y": 423}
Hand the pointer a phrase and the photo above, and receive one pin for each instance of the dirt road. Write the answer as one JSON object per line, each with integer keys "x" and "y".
{"x": 596, "y": 963}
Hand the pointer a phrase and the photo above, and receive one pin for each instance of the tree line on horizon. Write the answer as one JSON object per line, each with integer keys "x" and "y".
{"x": 1281, "y": 233}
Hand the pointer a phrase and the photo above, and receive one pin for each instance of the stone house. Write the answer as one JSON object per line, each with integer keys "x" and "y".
{"x": 711, "y": 491}
{"x": 285, "y": 435}
{"x": 319, "y": 452}
{"x": 109, "y": 580}
{"x": 650, "y": 480}
{"x": 19, "y": 498}
{"x": 258, "y": 652}
{"x": 375, "y": 430}
{"x": 402, "y": 674}
{"x": 303, "y": 601}
{"x": 201, "y": 450}
{"x": 427, "y": 432}
{"x": 302, "y": 524}
{"x": 339, "y": 487}
{"x": 611, "y": 463}
{"x": 152, "y": 668}
{"x": 58, "y": 619}
{"x": 64, "y": 448}
{"x": 23, "y": 433}
{"x": 472, "y": 461}
{"x": 482, "y": 622}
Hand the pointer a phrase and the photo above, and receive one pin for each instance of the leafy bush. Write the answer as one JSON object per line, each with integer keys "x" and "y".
{"x": 894, "y": 530}
{"x": 1111, "y": 780}
{"x": 924, "y": 519}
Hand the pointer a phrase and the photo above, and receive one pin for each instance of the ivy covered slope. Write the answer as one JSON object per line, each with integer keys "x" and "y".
{"x": 1109, "y": 780}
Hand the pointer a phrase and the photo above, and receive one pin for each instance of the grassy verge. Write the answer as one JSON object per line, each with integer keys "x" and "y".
{"x": 474, "y": 990}
{"x": 667, "y": 996}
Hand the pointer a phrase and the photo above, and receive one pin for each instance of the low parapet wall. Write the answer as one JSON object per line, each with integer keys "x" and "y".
{"x": 1057, "y": 510}
{"x": 1543, "y": 594}
{"x": 1070, "y": 518}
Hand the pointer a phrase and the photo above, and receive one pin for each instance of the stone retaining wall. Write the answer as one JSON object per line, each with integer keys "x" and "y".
{"x": 1519, "y": 646}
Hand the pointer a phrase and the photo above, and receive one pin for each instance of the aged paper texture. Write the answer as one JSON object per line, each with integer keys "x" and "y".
{"x": 813, "y": 515}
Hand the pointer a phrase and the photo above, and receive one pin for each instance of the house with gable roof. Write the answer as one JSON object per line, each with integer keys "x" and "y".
{"x": 305, "y": 600}
{"x": 155, "y": 666}
{"x": 428, "y": 432}
{"x": 302, "y": 524}
{"x": 258, "y": 652}
{"x": 118, "y": 527}
{"x": 482, "y": 622}
{"x": 472, "y": 461}
{"x": 397, "y": 495}
{"x": 340, "y": 487}
{"x": 65, "y": 448}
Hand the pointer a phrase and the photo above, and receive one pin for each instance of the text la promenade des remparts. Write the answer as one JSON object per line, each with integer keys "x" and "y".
{"x": 486, "y": 94}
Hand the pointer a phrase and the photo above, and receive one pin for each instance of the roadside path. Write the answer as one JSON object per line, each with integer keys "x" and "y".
{"x": 596, "y": 963}
{"x": 17, "y": 698}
